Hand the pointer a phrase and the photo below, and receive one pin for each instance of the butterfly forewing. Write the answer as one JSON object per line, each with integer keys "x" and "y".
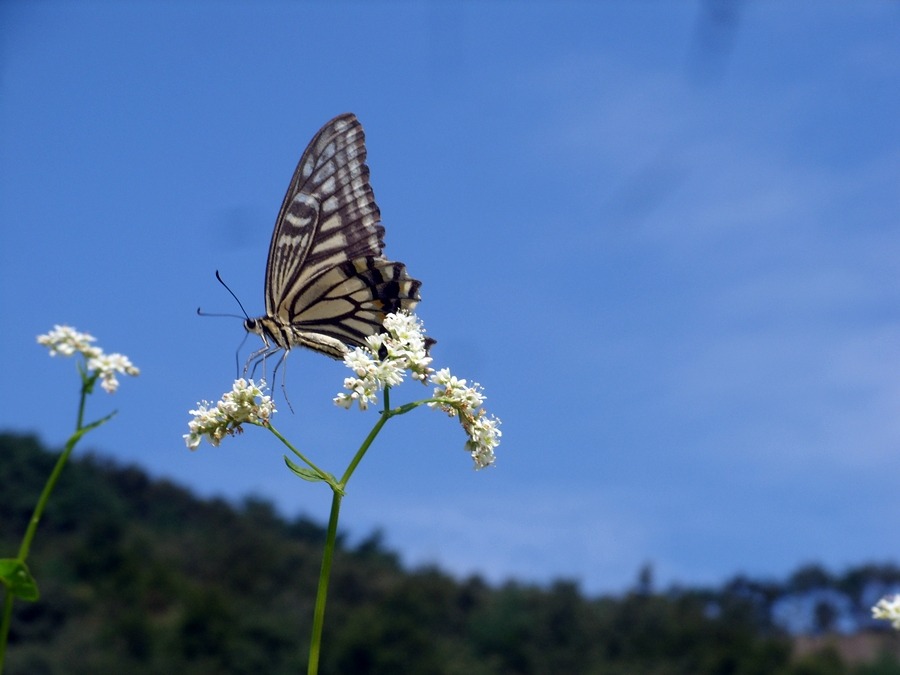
{"x": 328, "y": 215}
{"x": 327, "y": 283}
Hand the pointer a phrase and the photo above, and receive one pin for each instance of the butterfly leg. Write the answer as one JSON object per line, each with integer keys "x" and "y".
{"x": 257, "y": 357}
{"x": 283, "y": 378}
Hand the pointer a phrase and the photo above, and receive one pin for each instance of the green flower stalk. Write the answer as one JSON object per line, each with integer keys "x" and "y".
{"x": 385, "y": 362}
{"x": 93, "y": 366}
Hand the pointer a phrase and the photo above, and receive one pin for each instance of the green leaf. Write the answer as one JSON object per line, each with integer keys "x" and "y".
{"x": 304, "y": 473}
{"x": 14, "y": 573}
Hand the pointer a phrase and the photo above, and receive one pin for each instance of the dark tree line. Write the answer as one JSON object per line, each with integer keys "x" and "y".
{"x": 140, "y": 576}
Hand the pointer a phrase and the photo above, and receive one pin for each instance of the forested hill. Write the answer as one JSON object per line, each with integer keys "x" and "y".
{"x": 140, "y": 576}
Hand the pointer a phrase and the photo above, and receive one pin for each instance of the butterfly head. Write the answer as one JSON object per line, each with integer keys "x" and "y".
{"x": 274, "y": 334}
{"x": 268, "y": 330}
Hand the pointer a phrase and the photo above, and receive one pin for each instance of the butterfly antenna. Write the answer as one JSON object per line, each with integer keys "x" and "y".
{"x": 219, "y": 277}
{"x": 200, "y": 312}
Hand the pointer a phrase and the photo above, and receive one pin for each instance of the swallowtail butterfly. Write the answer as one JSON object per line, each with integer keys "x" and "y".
{"x": 328, "y": 286}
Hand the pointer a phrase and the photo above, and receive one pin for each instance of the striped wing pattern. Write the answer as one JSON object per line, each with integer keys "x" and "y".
{"x": 327, "y": 284}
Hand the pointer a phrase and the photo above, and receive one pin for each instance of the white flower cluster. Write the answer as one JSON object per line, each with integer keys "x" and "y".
{"x": 383, "y": 363}
{"x": 66, "y": 341}
{"x": 888, "y": 608}
{"x": 385, "y": 360}
{"x": 457, "y": 398}
{"x": 244, "y": 403}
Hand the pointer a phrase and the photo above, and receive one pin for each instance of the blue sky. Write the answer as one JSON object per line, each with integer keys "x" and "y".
{"x": 665, "y": 243}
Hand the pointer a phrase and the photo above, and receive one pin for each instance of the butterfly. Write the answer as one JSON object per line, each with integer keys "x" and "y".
{"x": 328, "y": 286}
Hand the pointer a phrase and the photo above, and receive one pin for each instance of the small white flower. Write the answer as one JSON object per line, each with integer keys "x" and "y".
{"x": 107, "y": 365}
{"x": 245, "y": 403}
{"x": 484, "y": 435}
{"x": 389, "y": 373}
{"x": 889, "y": 609}
{"x": 360, "y": 361}
{"x": 458, "y": 393}
{"x": 362, "y": 392}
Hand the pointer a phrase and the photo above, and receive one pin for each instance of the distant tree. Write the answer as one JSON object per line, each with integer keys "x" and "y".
{"x": 644, "y": 584}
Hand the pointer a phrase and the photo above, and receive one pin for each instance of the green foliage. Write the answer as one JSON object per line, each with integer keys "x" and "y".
{"x": 139, "y": 576}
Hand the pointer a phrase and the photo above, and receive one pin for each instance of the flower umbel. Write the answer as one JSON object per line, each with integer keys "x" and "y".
{"x": 66, "y": 341}
{"x": 385, "y": 359}
{"x": 889, "y": 609}
{"x": 245, "y": 403}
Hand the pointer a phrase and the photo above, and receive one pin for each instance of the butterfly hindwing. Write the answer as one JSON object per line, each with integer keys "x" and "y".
{"x": 349, "y": 302}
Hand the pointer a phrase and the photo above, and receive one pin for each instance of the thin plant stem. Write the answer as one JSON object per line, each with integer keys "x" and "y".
{"x": 4, "y": 625}
{"x": 322, "y": 592}
{"x": 25, "y": 547}
{"x": 331, "y": 537}
{"x": 357, "y": 458}
{"x": 55, "y": 474}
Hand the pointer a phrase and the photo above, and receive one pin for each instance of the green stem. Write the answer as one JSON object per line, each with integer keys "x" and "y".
{"x": 331, "y": 537}
{"x": 322, "y": 592}
{"x": 51, "y": 484}
{"x": 357, "y": 458}
{"x": 4, "y": 625}
{"x": 25, "y": 547}
{"x": 45, "y": 495}
{"x": 386, "y": 414}
{"x": 87, "y": 386}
